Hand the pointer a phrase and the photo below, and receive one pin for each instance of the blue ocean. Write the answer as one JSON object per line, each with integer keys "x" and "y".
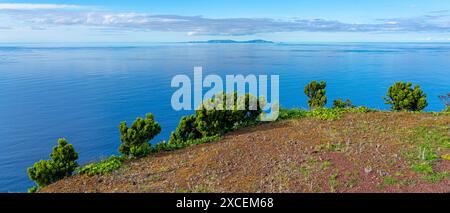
{"x": 83, "y": 91}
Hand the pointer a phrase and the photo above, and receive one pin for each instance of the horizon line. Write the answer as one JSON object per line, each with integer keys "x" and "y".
{"x": 199, "y": 42}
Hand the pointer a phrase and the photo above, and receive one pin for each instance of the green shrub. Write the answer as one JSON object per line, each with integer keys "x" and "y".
{"x": 163, "y": 146}
{"x": 339, "y": 103}
{"x": 140, "y": 151}
{"x": 213, "y": 121}
{"x": 360, "y": 109}
{"x": 316, "y": 94}
{"x": 214, "y": 117}
{"x": 292, "y": 114}
{"x": 402, "y": 97}
{"x": 43, "y": 173}
{"x": 62, "y": 164}
{"x": 135, "y": 139}
{"x": 249, "y": 108}
{"x": 102, "y": 167}
{"x": 65, "y": 154}
{"x": 325, "y": 113}
{"x": 320, "y": 113}
{"x": 186, "y": 130}
{"x": 436, "y": 177}
{"x": 33, "y": 189}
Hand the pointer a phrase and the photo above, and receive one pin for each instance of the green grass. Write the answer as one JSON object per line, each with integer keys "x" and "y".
{"x": 332, "y": 147}
{"x": 325, "y": 165}
{"x": 388, "y": 181}
{"x": 352, "y": 177}
{"x": 436, "y": 177}
{"x": 423, "y": 168}
{"x": 333, "y": 181}
{"x": 427, "y": 143}
{"x": 305, "y": 171}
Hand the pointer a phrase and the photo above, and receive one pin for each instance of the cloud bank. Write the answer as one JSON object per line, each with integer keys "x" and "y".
{"x": 24, "y": 6}
{"x": 51, "y": 15}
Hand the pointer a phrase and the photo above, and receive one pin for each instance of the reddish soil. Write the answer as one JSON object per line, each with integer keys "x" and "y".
{"x": 361, "y": 152}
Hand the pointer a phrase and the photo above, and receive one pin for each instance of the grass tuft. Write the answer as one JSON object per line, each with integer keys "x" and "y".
{"x": 427, "y": 143}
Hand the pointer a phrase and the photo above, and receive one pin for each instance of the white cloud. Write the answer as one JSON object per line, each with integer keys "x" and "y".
{"x": 391, "y": 22}
{"x": 26, "y": 6}
{"x": 50, "y": 15}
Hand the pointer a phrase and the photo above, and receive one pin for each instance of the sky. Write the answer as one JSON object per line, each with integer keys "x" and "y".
{"x": 196, "y": 20}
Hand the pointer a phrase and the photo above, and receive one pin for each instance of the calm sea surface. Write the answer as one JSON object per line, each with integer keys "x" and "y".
{"x": 82, "y": 92}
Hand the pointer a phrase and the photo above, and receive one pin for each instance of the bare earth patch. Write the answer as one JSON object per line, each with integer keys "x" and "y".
{"x": 361, "y": 152}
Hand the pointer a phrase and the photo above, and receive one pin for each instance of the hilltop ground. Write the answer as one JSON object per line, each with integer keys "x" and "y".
{"x": 360, "y": 152}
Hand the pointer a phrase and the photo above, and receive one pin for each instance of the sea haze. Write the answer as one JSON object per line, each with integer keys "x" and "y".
{"x": 83, "y": 91}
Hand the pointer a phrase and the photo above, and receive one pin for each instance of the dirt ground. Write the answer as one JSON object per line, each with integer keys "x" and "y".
{"x": 361, "y": 152}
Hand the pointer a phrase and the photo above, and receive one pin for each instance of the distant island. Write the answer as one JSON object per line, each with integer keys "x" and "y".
{"x": 257, "y": 41}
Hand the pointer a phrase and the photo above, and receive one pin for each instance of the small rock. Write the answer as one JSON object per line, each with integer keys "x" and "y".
{"x": 367, "y": 170}
{"x": 382, "y": 173}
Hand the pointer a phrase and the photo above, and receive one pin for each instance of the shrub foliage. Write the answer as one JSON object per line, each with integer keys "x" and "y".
{"x": 163, "y": 146}
{"x": 339, "y": 103}
{"x": 216, "y": 117}
{"x": 320, "y": 113}
{"x": 187, "y": 130}
{"x": 316, "y": 94}
{"x": 401, "y": 96}
{"x": 62, "y": 164}
{"x": 213, "y": 119}
{"x": 102, "y": 167}
{"x": 135, "y": 139}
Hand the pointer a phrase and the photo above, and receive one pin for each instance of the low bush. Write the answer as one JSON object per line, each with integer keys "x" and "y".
{"x": 325, "y": 113}
{"x": 163, "y": 146}
{"x": 44, "y": 173}
{"x": 140, "y": 151}
{"x": 292, "y": 114}
{"x": 134, "y": 139}
{"x": 33, "y": 189}
{"x": 316, "y": 94}
{"x": 102, "y": 167}
{"x": 339, "y": 103}
{"x": 214, "y": 117}
{"x": 401, "y": 96}
{"x": 320, "y": 113}
{"x": 186, "y": 130}
{"x": 62, "y": 164}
